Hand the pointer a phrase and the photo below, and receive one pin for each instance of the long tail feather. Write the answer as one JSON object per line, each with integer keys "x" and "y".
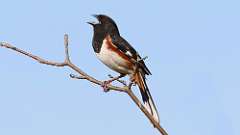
{"x": 146, "y": 96}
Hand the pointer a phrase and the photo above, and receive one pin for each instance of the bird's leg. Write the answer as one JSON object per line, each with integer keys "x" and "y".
{"x": 120, "y": 81}
{"x": 105, "y": 83}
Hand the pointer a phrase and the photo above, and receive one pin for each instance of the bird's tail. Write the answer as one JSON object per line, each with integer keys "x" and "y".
{"x": 140, "y": 80}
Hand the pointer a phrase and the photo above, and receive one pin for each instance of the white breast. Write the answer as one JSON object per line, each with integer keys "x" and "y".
{"x": 113, "y": 60}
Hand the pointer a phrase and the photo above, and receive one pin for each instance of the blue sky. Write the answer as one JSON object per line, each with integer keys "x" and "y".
{"x": 193, "y": 49}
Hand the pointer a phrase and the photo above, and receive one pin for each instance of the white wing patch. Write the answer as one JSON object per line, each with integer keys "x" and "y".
{"x": 129, "y": 53}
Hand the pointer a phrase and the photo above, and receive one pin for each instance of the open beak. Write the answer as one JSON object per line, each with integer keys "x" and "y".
{"x": 91, "y": 23}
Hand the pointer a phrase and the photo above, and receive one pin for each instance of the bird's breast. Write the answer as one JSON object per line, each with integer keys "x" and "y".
{"x": 113, "y": 58}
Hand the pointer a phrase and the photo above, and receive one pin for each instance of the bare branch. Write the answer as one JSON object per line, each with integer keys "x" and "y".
{"x": 40, "y": 60}
{"x": 67, "y": 57}
{"x": 82, "y": 75}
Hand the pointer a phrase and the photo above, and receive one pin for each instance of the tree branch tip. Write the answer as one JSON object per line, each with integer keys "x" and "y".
{"x": 65, "y": 37}
{"x": 66, "y": 40}
{"x": 7, "y": 45}
{"x": 3, "y": 43}
{"x": 77, "y": 77}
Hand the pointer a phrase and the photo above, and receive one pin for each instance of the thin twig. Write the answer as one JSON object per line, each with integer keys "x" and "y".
{"x": 83, "y": 75}
{"x": 40, "y": 60}
{"x": 67, "y": 57}
{"x": 77, "y": 76}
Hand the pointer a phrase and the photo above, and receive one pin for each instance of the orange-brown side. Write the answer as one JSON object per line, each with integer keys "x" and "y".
{"x": 112, "y": 47}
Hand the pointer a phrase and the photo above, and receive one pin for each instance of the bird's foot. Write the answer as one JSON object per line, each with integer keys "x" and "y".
{"x": 118, "y": 79}
{"x": 106, "y": 83}
{"x": 105, "y": 86}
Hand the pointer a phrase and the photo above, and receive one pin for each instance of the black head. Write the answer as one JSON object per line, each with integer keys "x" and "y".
{"x": 99, "y": 31}
{"x": 97, "y": 27}
{"x": 98, "y": 35}
{"x": 105, "y": 26}
{"x": 108, "y": 23}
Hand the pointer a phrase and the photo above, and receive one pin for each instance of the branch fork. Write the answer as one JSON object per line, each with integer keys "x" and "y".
{"x": 82, "y": 75}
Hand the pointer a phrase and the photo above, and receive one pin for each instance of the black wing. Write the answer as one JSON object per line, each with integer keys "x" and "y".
{"x": 130, "y": 52}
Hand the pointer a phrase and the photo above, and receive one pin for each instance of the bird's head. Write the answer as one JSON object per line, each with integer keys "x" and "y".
{"x": 97, "y": 27}
{"x": 106, "y": 22}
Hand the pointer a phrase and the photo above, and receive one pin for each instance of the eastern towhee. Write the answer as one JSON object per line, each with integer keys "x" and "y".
{"x": 115, "y": 52}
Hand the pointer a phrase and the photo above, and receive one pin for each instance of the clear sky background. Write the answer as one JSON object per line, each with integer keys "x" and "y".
{"x": 194, "y": 55}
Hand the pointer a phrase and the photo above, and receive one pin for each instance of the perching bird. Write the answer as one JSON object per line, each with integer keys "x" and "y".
{"x": 115, "y": 52}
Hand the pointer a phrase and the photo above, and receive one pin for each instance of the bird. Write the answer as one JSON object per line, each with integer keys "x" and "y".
{"x": 117, "y": 54}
